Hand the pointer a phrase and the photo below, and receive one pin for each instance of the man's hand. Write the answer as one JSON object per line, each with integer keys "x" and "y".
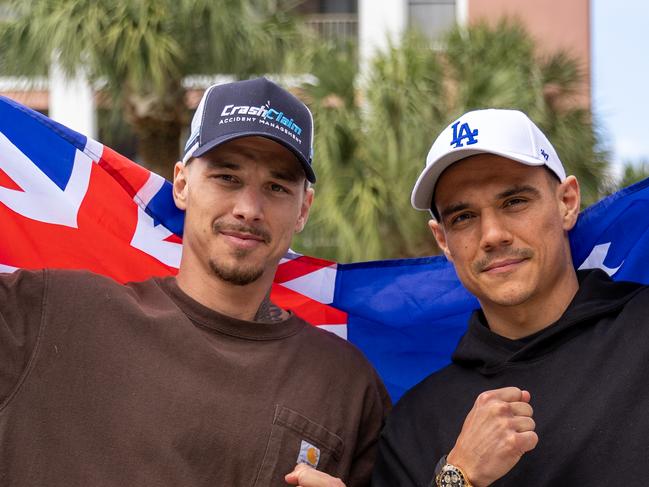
{"x": 496, "y": 433}
{"x": 305, "y": 476}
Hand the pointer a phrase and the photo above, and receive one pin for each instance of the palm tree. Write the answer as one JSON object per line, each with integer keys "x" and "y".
{"x": 144, "y": 49}
{"x": 632, "y": 172}
{"x": 370, "y": 152}
{"x": 500, "y": 67}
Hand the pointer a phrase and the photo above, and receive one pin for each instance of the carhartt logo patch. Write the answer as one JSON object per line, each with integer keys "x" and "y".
{"x": 464, "y": 132}
{"x": 309, "y": 454}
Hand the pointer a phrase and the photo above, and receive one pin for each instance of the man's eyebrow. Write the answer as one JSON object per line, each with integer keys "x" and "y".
{"x": 223, "y": 164}
{"x": 518, "y": 189}
{"x": 454, "y": 208}
{"x": 286, "y": 175}
{"x": 514, "y": 190}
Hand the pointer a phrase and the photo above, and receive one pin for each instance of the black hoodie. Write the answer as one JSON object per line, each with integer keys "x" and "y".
{"x": 588, "y": 374}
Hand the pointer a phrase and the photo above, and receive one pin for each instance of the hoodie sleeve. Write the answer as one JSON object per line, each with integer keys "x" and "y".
{"x": 21, "y": 309}
{"x": 390, "y": 469}
{"x": 402, "y": 460}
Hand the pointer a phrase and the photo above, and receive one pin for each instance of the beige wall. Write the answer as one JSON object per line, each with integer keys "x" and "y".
{"x": 36, "y": 99}
{"x": 555, "y": 24}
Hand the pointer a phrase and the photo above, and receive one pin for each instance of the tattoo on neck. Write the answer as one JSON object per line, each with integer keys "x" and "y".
{"x": 269, "y": 312}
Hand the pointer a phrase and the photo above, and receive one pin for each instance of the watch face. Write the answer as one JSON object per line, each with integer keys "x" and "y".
{"x": 450, "y": 477}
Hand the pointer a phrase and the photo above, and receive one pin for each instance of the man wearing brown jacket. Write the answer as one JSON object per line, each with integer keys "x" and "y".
{"x": 197, "y": 379}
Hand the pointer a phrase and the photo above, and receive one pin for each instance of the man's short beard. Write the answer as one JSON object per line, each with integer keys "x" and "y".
{"x": 238, "y": 275}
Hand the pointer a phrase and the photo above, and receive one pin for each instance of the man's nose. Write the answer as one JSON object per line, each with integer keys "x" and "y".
{"x": 495, "y": 232}
{"x": 248, "y": 205}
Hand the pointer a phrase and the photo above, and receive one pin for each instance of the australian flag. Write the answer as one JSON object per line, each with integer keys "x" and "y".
{"x": 67, "y": 201}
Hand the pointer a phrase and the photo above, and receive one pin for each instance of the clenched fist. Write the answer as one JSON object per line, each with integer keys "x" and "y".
{"x": 496, "y": 433}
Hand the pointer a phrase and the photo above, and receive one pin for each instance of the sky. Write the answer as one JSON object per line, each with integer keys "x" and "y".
{"x": 620, "y": 77}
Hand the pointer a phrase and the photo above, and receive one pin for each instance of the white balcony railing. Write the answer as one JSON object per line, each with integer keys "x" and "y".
{"x": 334, "y": 26}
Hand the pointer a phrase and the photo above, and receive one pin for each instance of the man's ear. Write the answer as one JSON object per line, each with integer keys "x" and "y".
{"x": 180, "y": 185}
{"x": 440, "y": 238}
{"x": 569, "y": 198}
{"x": 304, "y": 210}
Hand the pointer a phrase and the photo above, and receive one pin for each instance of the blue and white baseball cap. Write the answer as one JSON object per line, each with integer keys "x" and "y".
{"x": 247, "y": 108}
{"x": 507, "y": 133}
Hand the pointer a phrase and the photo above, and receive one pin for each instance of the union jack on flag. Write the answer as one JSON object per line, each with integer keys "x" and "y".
{"x": 67, "y": 201}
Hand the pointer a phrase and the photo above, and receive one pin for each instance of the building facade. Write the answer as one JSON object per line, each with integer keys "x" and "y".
{"x": 554, "y": 24}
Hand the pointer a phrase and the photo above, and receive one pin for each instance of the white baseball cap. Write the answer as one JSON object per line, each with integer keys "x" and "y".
{"x": 506, "y": 133}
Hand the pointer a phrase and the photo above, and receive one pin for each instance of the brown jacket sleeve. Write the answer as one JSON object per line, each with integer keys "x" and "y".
{"x": 377, "y": 407}
{"x": 21, "y": 310}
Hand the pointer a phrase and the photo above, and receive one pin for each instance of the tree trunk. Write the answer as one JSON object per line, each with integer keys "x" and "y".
{"x": 158, "y": 145}
{"x": 157, "y": 121}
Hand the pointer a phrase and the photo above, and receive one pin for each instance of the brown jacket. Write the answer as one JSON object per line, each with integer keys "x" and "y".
{"x": 139, "y": 385}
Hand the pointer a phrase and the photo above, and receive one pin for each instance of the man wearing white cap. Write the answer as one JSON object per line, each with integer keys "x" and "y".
{"x": 198, "y": 379}
{"x": 546, "y": 387}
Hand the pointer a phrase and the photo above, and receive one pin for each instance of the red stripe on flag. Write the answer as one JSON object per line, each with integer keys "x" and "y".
{"x": 7, "y": 182}
{"x": 128, "y": 175}
{"x": 306, "y": 308}
{"x": 298, "y": 267}
{"x": 174, "y": 238}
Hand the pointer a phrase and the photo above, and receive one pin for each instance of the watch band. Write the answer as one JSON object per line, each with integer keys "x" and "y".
{"x": 438, "y": 467}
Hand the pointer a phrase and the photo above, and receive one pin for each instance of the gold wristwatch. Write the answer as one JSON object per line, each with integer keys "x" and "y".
{"x": 452, "y": 476}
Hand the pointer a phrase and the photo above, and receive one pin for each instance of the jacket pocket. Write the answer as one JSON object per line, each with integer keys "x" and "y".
{"x": 290, "y": 432}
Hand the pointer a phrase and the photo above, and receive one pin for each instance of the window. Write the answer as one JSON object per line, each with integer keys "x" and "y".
{"x": 338, "y": 6}
{"x": 432, "y": 18}
{"x": 331, "y": 19}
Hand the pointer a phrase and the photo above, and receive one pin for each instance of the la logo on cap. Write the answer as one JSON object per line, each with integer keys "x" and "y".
{"x": 464, "y": 132}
